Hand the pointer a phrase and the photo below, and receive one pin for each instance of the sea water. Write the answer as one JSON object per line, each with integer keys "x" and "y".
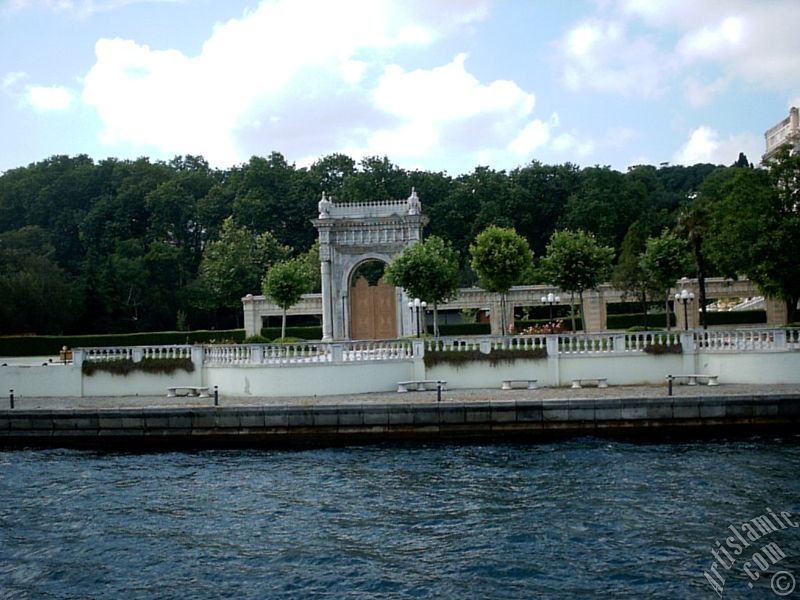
{"x": 581, "y": 518}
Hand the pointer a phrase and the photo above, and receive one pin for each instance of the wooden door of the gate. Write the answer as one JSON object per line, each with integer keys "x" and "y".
{"x": 373, "y": 311}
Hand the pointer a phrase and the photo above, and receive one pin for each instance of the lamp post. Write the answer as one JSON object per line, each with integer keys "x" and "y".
{"x": 414, "y": 306}
{"x": 551, "y": 299}
{"x": 685, "y": 296}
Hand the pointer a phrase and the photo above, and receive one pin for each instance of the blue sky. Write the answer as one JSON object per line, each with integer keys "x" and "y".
{"x": 443, "y": 85}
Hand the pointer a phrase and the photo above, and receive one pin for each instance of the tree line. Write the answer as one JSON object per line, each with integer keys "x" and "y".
{"x": 121, "y": 245}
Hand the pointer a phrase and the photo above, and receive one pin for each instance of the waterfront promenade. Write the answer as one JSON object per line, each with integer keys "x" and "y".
{"x": 384, "y": 398}
{"x": 150, "y": 423}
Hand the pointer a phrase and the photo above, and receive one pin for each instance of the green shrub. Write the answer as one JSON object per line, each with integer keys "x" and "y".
{"x": 311, "y": 332}
{"x": 288, "y": 340}
{"x": 124, "y": 366}
{"x": 736, "y": 317}
{"x": 664, "y": 349}
{"x": 465, "y": 329}
{"x": 44, "y": 345}
{"x": 654, "y": 320}
{"x": 495, "y": 357}
{"x": 256, "y": 339}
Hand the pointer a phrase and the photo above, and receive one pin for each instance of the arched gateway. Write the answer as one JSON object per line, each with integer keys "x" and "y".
{"x": 351, "y": 233}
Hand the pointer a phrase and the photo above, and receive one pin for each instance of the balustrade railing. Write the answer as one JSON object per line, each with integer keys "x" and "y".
{"x": 740, "y": 340}
{"x": 581, "y": 343}
{"x": 737, "y": 340}
{"x": 641, "y": 340}
{"x": 137, "y": 353}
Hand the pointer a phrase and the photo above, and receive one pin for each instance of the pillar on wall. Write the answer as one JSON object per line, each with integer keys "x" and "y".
{"x": 777, "y": 314}
{"x": 496, "y": 310}
{"x": 594, "y": 307}
{"x": 252, "y": 326}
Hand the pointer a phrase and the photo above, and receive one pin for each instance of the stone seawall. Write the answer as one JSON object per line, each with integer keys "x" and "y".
{"x": 374, "y": 423}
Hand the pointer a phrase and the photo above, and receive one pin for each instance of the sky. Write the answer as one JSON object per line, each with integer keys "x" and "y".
{"x": 440, "y": 85}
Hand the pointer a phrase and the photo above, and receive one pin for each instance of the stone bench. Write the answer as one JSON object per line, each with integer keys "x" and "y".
{"x": 692, "y": 379}
{"x": 510, "y": 384}
{"x": 201, "y": 392}
{"x": 600, "y": 382}
{"x": 420, "y": 385}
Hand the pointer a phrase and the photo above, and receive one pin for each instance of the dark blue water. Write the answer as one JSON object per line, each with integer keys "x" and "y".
{"x": 574, "y": 519}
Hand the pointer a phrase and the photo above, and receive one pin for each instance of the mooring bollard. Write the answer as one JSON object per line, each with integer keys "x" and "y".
{"x": 669, "y": 385}
{"x": 216, "y": 395}
{"x": 438, "y": 391}
{"x": 11, "y": 398}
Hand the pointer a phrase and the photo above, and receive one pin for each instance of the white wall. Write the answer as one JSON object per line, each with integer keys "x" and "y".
{"x": 382, "y": 376}
{"x": 476, "y": 374}
{"x": 320, "y": 380}
{"x": 755, "y": 368}
{"x": 137, "y": 383}
{"x": 639, "y": 369}
{"x": 40, "y": 381}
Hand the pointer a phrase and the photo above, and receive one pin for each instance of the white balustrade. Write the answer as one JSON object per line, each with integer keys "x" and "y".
{"x": 580, "y": 343}
{"x": 740, "y": 340}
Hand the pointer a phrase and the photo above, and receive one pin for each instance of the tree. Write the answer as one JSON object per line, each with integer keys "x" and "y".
{"x": 500, "y": 257}
{"x": 576, "y": 262}
{"x": 692, "y": 225}
{"x": 629, "y": 275}
{"x": 284, "y": 284}
{"x": 665, "y": 261}
{"x": 755, "y": 227}
{"x": 606, "y": 203}
{"x": 428, "y": 270}
{"x": 233, "y": 265}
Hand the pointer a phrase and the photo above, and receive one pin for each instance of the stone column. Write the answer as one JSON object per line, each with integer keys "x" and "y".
{"x": 327, "y": 296}
{"x": 689, "y": 353}
{"x": 251, "y": 324}
{"x": 594, "y": 305}
{"x": 777, "y": 314}
{"x": 553, "y": 371}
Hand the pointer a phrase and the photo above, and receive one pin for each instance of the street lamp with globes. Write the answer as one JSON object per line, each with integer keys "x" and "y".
{"x": 551, "y": 299}
{"x": 414, "y": 306}
{"x": 685, "y": 296}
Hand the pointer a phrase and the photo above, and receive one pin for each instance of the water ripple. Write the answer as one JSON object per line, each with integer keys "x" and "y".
{"x": 572, "y": 519}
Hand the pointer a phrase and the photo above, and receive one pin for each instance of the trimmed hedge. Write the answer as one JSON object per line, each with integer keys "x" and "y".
{"x": 637, "y": 320}
{"x": 307, "y": 332}
{"x": 44, "y": 345}
{"x": 459, "y": 358}
{"x": 658, "y": 349}
{"x": 736, "y": 317}
{"x": 463, "y": 329}
{"x": 163, "y": 366}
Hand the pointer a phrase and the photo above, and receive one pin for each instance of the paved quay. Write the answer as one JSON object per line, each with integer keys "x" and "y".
{"x": 152, "y": 423}
{"x": 389, "y": 398}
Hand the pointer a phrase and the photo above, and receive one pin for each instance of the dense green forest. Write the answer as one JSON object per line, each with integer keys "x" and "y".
{"x": 119, "y": 246}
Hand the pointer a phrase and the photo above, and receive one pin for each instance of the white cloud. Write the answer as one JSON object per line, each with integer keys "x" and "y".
{"x": 603, "y": 55}
{"x": 49, "y": 98}
{"x": 275, "y": 79}
{"x": 699, "y": 94}
{"x": 715, "y": 41}
{"x": 705, "y": 145}
{"x": 447, "y": 93}
{"x": 535, "y": 135}
{"x": 10, "y": 80}
{"x": 76, "y": 8}
{"x": 632, "y": 45}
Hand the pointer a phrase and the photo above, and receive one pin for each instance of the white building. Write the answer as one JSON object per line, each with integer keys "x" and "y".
{"x": 785, "y": 132}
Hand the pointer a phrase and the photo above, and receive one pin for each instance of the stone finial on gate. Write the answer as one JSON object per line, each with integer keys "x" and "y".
{"x": 414, "y": 205}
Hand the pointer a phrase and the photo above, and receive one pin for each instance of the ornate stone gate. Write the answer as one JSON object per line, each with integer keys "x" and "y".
{"x": 352, "y": 233}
